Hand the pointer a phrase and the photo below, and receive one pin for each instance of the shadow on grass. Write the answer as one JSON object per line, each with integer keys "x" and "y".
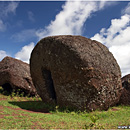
{"x": 34, "y": 106}
{"x": 39, "y": 106}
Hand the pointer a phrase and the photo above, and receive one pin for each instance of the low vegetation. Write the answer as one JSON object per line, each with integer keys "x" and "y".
{"x": 31, "y": 113}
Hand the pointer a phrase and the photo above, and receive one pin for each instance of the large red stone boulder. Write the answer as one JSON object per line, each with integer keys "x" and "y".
{"x": 76, "y": 72}
{"x": 15, "y": 75}
{"x": 125, "y": 96}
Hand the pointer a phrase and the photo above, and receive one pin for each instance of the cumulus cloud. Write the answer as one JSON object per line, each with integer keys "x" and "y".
{"x": 122, "y": 54}
{"x": 117, "y": 39}
{"x": 71, "y": 19}
{"x": 2, "y": 54}
{"x": 25, "y": 52}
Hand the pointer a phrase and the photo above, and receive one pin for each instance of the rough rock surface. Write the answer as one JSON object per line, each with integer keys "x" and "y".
{"x": 76, "y": 72}
{"x": 125, "y": 96}
{"x": 14, "y": 75}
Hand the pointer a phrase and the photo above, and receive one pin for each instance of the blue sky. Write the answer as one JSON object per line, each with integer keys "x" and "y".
{"x": 23, "y": 24}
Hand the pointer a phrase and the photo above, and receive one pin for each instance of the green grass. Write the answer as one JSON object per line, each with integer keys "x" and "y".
{"x": 32, "y": 113}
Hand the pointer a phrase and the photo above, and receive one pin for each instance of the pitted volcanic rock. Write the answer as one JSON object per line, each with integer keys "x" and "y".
{"x": 125, "y": 96}
{"x": 75, "y": 71}
{"x": 15, "y": 76}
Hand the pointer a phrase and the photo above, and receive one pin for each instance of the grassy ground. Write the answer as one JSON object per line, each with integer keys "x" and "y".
{"x": 32, "y": 113}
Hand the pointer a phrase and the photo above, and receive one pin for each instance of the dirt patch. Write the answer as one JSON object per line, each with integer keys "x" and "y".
{"x": 1, "y": 107}
{"x": 114, "y": 109}
{"x": 1, "y": 99}
{"x": 3, "y": 115}
{"x": 14, "y": 114}
{"x": 36, "y": 126}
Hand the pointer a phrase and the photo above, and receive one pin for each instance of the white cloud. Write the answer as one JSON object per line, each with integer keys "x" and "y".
{"x": 25, "y": 52}
{"x": 5, "y": 9}
{"x": 2, "y": 54}
{"x": 117, "y": 39}
{"x": 2, "y": 26}
{"x": 8, "y": 7}
{"x": 24, "y": 35}
{"x": 122, "y": 54}
{"x": 71, "y": 19}
{"x": 127, "y": 9}
{"x": 11, "y": 8}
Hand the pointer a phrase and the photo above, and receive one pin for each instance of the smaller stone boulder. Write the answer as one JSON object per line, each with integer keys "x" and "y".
{"x": 125, "y": 96}
{"x": 15, "y": 75}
